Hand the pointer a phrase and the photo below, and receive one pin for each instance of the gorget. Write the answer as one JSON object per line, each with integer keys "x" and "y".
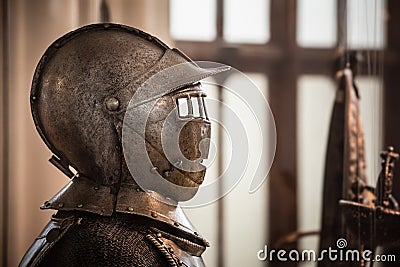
{"x": 82, "y": 194}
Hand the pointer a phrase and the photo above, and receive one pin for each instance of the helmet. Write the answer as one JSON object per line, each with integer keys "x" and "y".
{"x": 81, "y": 91}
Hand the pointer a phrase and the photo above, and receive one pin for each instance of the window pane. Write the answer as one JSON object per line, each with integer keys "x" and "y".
{"x": 316, "y": 23}
{"x": 366, "y": 23}
{"x": 183, "y": 107}
{"x": 193, "y": 19}
{"x": 242, "y": 209}
{"x": 246, "y": 21}
{"x": 314, "y": 106}
{"x": 196, "y": 108}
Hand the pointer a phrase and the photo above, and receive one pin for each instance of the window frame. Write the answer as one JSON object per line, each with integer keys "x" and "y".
{"x": 283, "y": 61}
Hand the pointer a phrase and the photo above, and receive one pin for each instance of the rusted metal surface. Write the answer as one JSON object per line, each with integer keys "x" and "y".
{"x": 376, "y": 222}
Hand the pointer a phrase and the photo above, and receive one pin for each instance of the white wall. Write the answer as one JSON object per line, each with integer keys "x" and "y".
{"x": 34, "y": 26}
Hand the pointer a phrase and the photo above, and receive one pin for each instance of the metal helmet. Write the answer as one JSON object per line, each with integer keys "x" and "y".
{"x": 81, "y": 91}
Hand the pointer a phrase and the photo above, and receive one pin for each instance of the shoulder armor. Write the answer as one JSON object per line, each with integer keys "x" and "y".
{"x": 50, "y": 235}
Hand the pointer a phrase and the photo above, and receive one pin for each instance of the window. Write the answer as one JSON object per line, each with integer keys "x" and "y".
{"x": 366, "y": 24}
{"x": 316, "y": 23}
{"x": 246, "y": 21}
{"x": 293, "y": 43}
{"x": 193, "y": 20}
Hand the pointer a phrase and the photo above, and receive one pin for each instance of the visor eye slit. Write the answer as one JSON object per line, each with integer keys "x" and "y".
{"x": 183, "y": 110}
{"x": 196, "y": 107}
{"x": 201, "y": 107}
{"x": 190, "y": 106}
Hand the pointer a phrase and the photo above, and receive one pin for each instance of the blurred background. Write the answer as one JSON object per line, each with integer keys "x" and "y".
{"x": 289, "y": 48}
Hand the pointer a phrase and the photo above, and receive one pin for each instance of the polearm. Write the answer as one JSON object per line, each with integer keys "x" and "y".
{"x": 331, "y": 224}
{"x": 345, "y": 177}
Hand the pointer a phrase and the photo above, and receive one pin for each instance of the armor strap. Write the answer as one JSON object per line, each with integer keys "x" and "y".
{"x": 192, "y": 248}
{"x": 50, "y": 235}
{"x": 174, "y": 253}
